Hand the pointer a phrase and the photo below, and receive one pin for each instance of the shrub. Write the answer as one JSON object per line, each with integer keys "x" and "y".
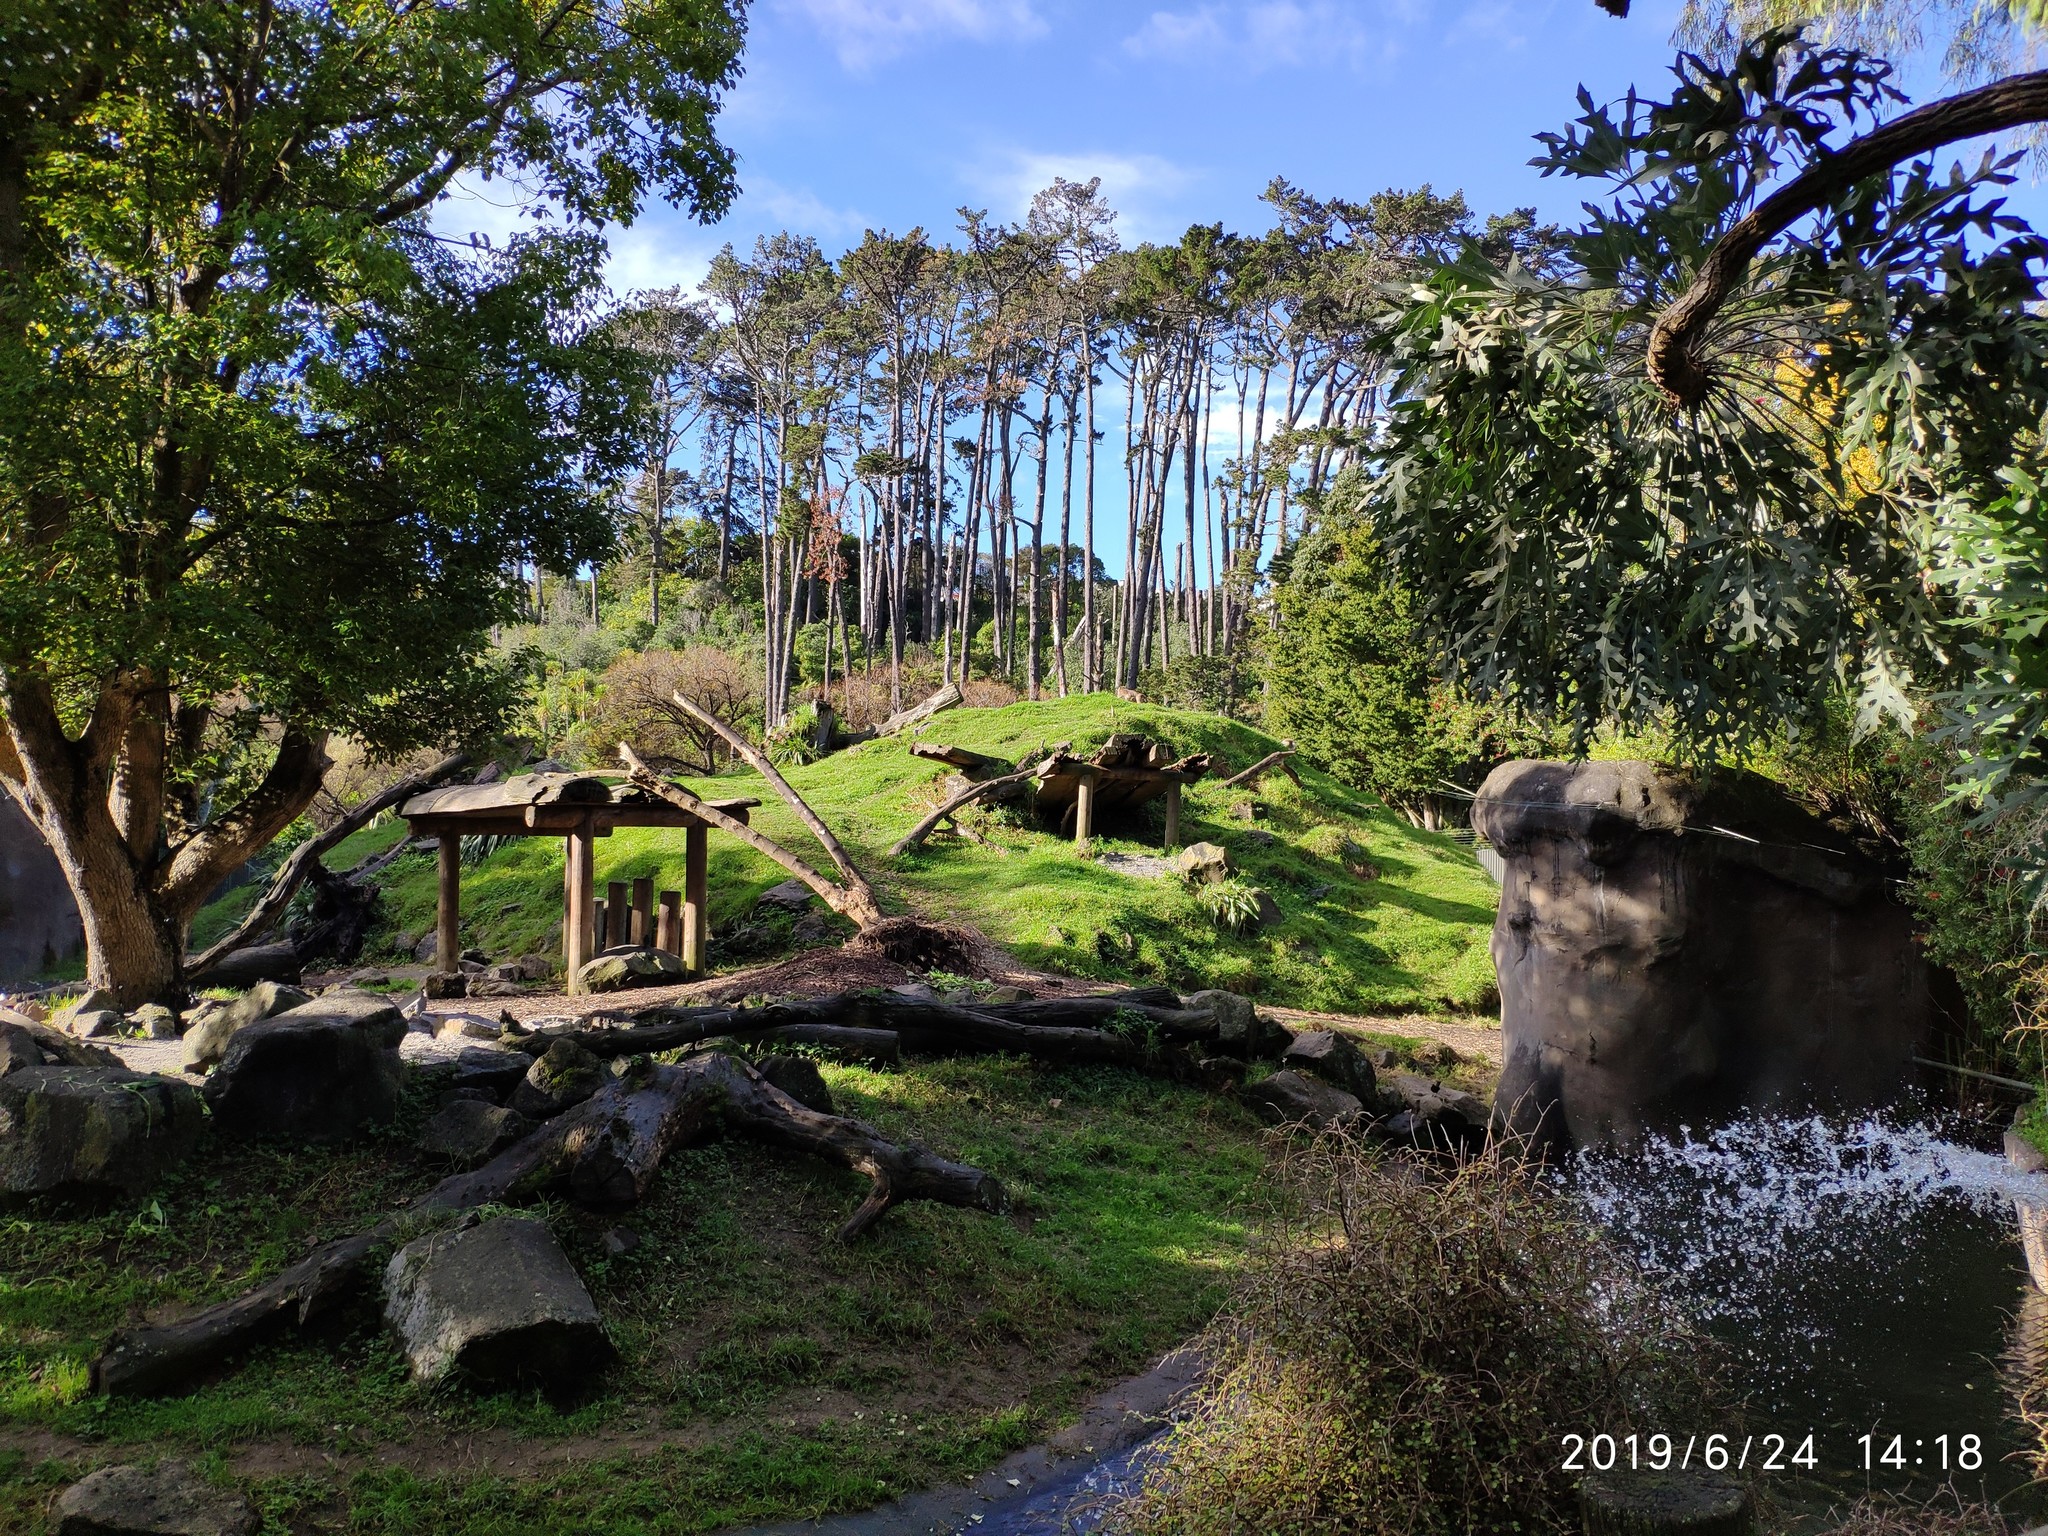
{"x": 1404, "y": 1354}
{"x": 1230, "y": 904}
{"x": 638, "y": 705}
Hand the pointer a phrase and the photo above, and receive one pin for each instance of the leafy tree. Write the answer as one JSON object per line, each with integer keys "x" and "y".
{"x": 1866, "y": 391}
{"x": 1351, "y": 679}
{"x": 269, "y": 448}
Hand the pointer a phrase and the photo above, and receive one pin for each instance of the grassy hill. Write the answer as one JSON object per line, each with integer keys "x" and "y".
{"x": 1415, "y": 937}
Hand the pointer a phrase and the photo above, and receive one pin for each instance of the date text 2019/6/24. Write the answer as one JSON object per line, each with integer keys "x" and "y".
{"x": 1765, "y": 1453}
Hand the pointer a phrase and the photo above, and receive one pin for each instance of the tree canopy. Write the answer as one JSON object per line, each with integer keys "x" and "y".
{"x": 270, "y": 447}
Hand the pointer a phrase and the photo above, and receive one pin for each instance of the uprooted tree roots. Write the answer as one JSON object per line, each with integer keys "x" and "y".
{"x": 603, "y": 1152}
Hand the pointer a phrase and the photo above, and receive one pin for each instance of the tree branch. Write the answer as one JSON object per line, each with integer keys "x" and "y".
{"x": 285, "y": 884}
{"x": 972, "y": 792}
{"x": 1674, "y": 364}
{"x": 211, "y": 853}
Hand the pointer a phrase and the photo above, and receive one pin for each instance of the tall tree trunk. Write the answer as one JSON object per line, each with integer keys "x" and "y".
{"x": 1059, "y": 580}
{"x": 1091, "y": 667}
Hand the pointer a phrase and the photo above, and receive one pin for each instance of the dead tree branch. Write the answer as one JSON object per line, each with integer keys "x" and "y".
{"x": 1258, "y": 769}
{"x": 856, "y": 900}
{"x": 293, "y": 872}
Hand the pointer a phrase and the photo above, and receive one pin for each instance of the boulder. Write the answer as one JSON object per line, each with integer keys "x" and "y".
{"x": 487, "y": 987}
{"x": 427, "y": 950}
{"x": 443, "y": 985}
{"x": 26, "y": 1043}
{"x": 1290, "y": 1098}
{"x": 1655, "y": 973}
{"x": 470, "y": 1131}
{"x": 153, "y": 1021}
{"x": 628, "y": 966}
{"x": 246, "y": 967}
{"x": 564, "y": 1075}
{"x": 1204, "y": 862}
{"x": 494, "y": 1303}
{"x": 91, "y": 1131}
{"x": 1334, "y": 1059}
{"x": 1691, "y": 1501}
{"x": 319, "y": 1072}
{"x": 95, "y": 1000}
{"x": 367, "y": 978}
{"x": 97, "y": 1024}
{"x": 800, "y": 1079}
{"x": 484, "y": 1068}
{"x": 206, "y": 1042}
{"x": 469, "y": 1026}
{"x": 168, "y": 1499}
{"x": 1241, "y": 1029}
{"x": 790, "y": 896}
{"x": 534, "y": 967}
{"x": 1246, "y": 810}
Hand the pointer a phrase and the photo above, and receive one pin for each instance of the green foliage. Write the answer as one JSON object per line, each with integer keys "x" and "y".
{"x": 1727, "y": 569}
{"x": 795, "y": 741}
{"x": 1221, "y": 685}
{"x": 1230, "y": 904}
{"x": 1351, "y": 679}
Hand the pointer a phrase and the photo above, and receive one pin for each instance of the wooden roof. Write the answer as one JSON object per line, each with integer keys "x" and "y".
{"x": 550, "y": 804}
{"x": 1116, "y": 788}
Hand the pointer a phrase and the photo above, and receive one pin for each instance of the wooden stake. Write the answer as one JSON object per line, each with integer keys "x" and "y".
{"x": 1172, "y": 816}
{"x": 642, "y": 927}
{"x": 448, "y": 915}
{"x": 617, "y": 912}
{"x": 696, "y": 884}
{"x": 668, "y": 926}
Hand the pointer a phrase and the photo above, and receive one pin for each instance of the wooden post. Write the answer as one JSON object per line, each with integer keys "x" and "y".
{"x": 696, "y": 921}
{"x": 617, "y": 914}
{"x": 668, "y": 927}
{"x": 1172, "y": 816}
{"x": 578, "y": 898}
{"x": 1084, "y": 811}
{"x": 448, "y": 915}
{"x": 643, "y": 914}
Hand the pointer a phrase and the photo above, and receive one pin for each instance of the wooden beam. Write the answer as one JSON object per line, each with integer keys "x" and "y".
{"x": 578, "y": 898}
{"x": 668, "y": 926}
{"x": 696, "y": 888}
{"x": 641, "y": 930}
{"x": 1172, "y": 817}
{"x": 448, "y": 912}
{"x": 1084, "y": 809}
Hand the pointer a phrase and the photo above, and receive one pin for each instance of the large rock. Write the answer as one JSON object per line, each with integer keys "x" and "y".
{"x": 91, "y": 1131}
{"x": 790, "y": 896}
{"x": 495, "y": 1303}
{"x": 562, "y": 1076}
{"x": 630, "y": 966}
{"x": 168, "y": 1499}
{"x": 26, "y": 1043}
{"x": 1334, "y": 1059}
{"x": 206, "y": 1042}
{"x": 469, "y": 1131}
{"x": 246, "y": 967}
{"x": 1291, "y": 1098}
{"x": 1677, "y": 953}
{"x": 1204, "y": 862}
{"x": 319, "y": 1072}
{"x": 1241, "y": 1030}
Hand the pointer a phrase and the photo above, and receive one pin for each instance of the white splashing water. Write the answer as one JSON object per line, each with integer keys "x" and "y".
{"x": 1738, "y": 1220}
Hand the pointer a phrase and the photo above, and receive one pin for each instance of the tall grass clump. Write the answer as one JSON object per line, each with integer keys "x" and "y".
{"x": 1404, "y": 1354}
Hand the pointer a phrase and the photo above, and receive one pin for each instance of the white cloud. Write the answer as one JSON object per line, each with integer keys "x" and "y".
{"x": 867, "y": 32}
{"x": 1273, "y": 34}
{"x": 1141, "y": 188}
{"x": 798, "y": 210}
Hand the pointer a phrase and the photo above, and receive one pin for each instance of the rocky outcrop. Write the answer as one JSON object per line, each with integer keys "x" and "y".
{"x": 1334, "y": 1059}
{"x": 470, "y": 1131}
{"x": 563, "y": 1075}
{"x": 207, "y": 1039}
{"x": 89, "y": 1131}
{"x": 494, "y": 1303}
{"x": 1672, "y": 952}
{"x": 1292, "y": 1098}
{"x": 322, "y": 1071}
{"x": 168, "y": 1499}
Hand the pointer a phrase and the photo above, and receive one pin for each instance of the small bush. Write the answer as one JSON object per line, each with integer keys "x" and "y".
{"x": 1230, "y": 904}
{"x": 1879, "y": 1515}
{"x": 1404, "y": 1354}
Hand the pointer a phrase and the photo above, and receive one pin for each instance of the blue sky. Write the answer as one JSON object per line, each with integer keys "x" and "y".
{"x": 892, "y": 113}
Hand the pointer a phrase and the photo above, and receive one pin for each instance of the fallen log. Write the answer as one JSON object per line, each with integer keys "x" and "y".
{"x": 917, "y": 714}
{"x": 606, "y": 1150}
{"x": 869, "y": 1047}
{"x": 1258, "y": 769}
{"x": 972, "y": 792}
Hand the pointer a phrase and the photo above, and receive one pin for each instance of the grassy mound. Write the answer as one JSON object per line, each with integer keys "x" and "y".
{"x": 1377, "y": 916}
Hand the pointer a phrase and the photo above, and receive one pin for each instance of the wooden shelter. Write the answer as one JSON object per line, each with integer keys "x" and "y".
{"x": 579, "y": 808}
{"x": 1128, "y": 772}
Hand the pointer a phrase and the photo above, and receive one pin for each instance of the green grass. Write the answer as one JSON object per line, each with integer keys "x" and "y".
{"x": 1415, "y": 938}
{"x": 766, "y": 1371}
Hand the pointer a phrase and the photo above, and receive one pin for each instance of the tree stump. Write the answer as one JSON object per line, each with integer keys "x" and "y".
{"x": 1665, "y": 1504}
